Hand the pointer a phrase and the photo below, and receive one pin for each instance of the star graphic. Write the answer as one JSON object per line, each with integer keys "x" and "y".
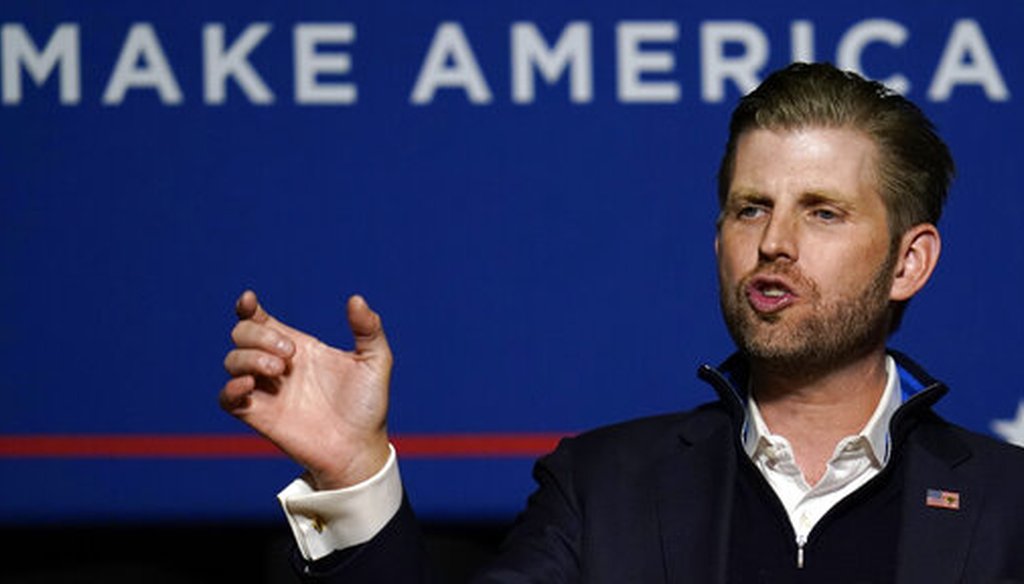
{"x": 1012, "y": 430}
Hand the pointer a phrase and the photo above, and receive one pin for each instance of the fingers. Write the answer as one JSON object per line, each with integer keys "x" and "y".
{"x": 247, "y": 334}
{"x": 235, "y": 394}
{"x": 367, "y": 330}
{"x": 240, "y": 362}
{"x": 256, "y": 329}
{"x": 260, "y": 351}
{"x": 263, "y": 349}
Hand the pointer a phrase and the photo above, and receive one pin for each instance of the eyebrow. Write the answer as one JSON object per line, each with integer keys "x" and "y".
{"x": 811, "y": 197}
{"x": 747, "y": 197}
{"x": 827, "y": 197}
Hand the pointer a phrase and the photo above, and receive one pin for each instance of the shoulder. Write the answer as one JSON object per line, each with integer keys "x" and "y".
{"x": 652, "y": 430}
{"x": 972, "y": 450}
{"x": 633, "y": 446}
{"x": 990, "y": 451}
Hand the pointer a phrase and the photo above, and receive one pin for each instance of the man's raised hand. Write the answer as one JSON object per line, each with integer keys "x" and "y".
{"x": 324, "y": 407}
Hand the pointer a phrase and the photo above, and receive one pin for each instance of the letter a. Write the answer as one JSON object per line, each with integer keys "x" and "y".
{"x": 967, "y": 40}
{"x": 450, "y": 43}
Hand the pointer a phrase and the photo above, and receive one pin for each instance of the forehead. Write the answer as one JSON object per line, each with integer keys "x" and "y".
{"x": 818, "y": 160}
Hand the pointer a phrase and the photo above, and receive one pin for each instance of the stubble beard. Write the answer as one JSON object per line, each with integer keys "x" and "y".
{"x": 835, "y": 331}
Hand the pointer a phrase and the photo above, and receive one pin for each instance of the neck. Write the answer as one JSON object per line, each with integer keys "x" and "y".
{"x": 814, "y": 410}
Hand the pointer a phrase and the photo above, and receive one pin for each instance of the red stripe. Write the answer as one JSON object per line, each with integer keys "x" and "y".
{"x": 454, "y": 445}
{"x": 241, "y": 446}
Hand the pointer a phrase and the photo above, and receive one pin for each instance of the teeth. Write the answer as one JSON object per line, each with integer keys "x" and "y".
{"x": 773, "y": 292}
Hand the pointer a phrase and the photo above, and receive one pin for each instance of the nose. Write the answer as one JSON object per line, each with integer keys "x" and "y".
{"x": 779, "y": 239}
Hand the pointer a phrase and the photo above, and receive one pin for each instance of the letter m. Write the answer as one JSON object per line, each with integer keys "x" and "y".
{"x": 20, "y": 52}
{"x": 571, "y": 51}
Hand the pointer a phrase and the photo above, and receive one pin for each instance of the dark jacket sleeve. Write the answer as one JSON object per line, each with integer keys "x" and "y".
{"x": 541, "y": 547}
{"x": 544, "y": 543}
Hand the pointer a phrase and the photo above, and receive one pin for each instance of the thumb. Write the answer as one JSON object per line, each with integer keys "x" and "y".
{"x": 366, "y": 326}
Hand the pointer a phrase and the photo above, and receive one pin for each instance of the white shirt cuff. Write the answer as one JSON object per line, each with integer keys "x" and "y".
{"x": 325, "y": 521}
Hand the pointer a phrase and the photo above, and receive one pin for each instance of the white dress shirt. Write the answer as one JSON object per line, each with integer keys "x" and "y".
{"x": 324, "y": 521}
{"x": 855, "y": 460}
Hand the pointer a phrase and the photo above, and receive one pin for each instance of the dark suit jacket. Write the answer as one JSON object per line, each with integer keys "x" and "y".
{"x": 648, "y": 501}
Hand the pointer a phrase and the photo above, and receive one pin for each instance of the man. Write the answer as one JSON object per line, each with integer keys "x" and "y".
{"x": 822, "y": 460}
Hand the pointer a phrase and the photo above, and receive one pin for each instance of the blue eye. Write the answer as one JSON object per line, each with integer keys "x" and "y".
{"x": 826, "y": 214}
{"x": 749, "y": 212}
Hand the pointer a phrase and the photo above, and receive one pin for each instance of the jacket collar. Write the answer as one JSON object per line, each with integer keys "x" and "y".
{"x": 920, "y": 390}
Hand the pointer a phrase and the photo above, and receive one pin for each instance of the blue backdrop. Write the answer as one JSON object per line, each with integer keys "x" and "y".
{"x": 524, "y": 190}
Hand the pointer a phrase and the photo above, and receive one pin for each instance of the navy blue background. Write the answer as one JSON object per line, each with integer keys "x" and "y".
{"x": 542, "y": 267}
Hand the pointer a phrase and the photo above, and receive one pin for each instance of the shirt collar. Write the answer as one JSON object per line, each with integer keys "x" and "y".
{"x": 876, "y": 431}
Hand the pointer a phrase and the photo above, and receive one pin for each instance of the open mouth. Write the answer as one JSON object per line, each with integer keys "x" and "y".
{"x": 768, "y": 294}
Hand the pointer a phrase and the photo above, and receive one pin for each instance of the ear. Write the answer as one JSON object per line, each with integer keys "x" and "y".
{"x": 918, "y": 255}
{"x": 717, "y": 235}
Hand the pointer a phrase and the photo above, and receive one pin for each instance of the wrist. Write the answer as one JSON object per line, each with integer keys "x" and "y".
{"x": 370, "y": 460}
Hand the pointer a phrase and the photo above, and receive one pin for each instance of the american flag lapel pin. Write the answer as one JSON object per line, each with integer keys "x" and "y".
{"x": 942, "y": 499}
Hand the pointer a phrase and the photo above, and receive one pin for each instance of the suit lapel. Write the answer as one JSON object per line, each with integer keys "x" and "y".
{"x": 934, "y": 540}
{"x": 694, "y": 495}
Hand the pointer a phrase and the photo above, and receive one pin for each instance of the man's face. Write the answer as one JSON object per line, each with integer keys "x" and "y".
{"x": 804, "y": 257}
